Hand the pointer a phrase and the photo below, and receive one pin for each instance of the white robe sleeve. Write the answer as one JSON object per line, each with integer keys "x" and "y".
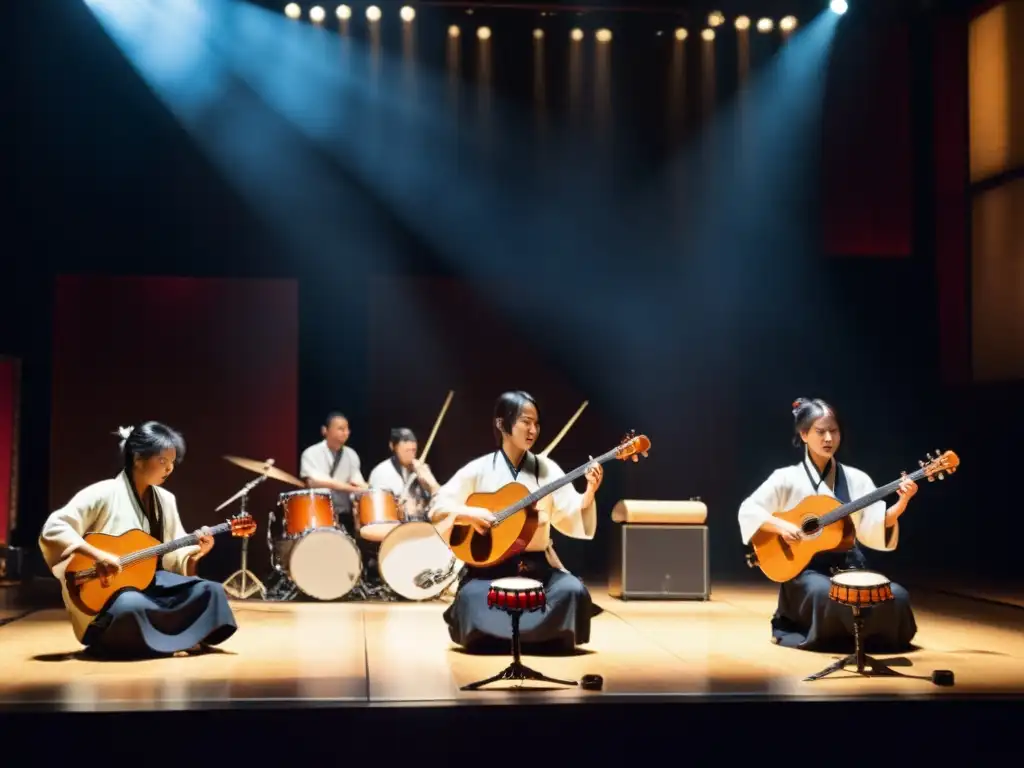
{"x": 65, "y": 528}
{"x": 451, "y": 497}
{"x": 379, "y": 478}
{"x": 566, "y": 515}
{"x": 870, "y": 521}
{"x": 762, "y": 504}
{"x": 307, "y": 466}
{"x": 173, "y": 529}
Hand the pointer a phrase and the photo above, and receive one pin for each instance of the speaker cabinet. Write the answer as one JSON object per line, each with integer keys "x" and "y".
{"x": 660, "y": 562}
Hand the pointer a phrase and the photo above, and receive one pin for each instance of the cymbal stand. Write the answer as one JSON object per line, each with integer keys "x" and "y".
{"x": 243, "y": 584}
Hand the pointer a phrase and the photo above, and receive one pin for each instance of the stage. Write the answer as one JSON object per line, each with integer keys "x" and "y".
{"x": 350, "y": 654}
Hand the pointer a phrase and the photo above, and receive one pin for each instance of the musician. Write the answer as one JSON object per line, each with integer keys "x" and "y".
{"x": 178, "y": 611}
{"x": 397, "y": 473}
{"x": 566, "y": 622}
{"x": 332, "y": 464}
{"x": 806, "y": 617}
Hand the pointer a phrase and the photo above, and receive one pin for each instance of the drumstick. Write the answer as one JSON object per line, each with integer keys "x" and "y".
{"x": 560, "y": 435}
{"x": 437, "y": 424}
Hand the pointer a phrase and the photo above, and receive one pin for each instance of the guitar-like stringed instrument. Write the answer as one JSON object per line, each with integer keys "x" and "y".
{"x": 826, "y": 525}
{"x": 516, "y": 519}
{"x": 139, "y": 553}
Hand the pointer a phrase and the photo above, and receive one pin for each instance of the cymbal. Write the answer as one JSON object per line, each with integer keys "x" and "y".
{"x": 266, "y": 468}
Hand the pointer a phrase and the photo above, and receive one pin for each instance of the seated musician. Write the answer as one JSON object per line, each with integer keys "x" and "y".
{"x": 566, "y": 623}
{"x": 806, "y": 617}
{"x": 178, "y": 611}
{"x": 334, "y": 465}
{"x": 404, "y": 471}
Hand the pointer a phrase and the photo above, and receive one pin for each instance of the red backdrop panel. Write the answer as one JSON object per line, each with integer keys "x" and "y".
{"x": 214, "y": 358}
{"x": 868, "y": 201}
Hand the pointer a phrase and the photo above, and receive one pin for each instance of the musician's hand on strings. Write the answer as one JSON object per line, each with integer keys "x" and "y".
{"x": 205, "y": 541}
{"x": 107, "y": 564}
{"x": 481, "y": 519}
{"x": 788, "y": 531}
{"x": 595, "y": 475}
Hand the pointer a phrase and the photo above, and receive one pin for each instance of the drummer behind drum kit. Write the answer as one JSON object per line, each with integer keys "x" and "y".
{"x": 317, "y": 555}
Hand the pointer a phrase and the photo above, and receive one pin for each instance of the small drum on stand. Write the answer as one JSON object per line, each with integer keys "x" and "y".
{"x": 517, "y": 595}
{"x": 860, "y": 590}
{"x": 376, "y": 513}
{"x": 318, "y": 556}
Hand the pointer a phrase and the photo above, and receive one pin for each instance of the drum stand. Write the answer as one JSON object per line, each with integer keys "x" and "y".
{"x": 863, "y": 661}
{"x": 516, "y": 670}
{"x": 243, "y": 584}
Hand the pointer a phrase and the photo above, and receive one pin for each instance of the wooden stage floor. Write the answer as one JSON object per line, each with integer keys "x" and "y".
{"x": 353, "y": 654}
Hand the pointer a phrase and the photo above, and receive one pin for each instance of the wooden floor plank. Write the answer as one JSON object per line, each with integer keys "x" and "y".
{"x": 388, "y": 653}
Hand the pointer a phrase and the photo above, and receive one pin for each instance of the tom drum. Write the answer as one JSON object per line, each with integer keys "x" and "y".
{"x": 306, "y": 510}
{"x": 377, "y": 512}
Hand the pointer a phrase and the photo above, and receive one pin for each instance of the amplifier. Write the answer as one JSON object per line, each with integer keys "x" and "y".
{"x": 660, "y": 562}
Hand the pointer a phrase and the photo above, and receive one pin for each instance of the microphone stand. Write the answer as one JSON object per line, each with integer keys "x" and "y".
{"x": 243, "y": 589}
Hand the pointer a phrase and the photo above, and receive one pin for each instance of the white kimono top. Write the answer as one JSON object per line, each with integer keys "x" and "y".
{"x": 560, "y": 509}
{"x": 110, "y": 507}
{"x": 317, "y": 460}
{"x": 788, "y": 486}
{"x": 386, "y": 477}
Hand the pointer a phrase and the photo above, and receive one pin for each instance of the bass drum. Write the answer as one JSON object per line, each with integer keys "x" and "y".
{"x": 416, "y": 563}
{"x": 324, "y": 563}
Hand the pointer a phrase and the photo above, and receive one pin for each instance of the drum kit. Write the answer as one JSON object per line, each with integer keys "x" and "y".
{"x": 312, "y": 551}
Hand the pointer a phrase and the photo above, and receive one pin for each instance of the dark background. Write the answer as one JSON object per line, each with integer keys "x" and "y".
{"x": 103, "y": 181}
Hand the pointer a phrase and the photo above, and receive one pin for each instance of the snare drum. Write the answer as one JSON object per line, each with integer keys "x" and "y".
{"x": 305, "y": 510}
{"x": 516, "y": 594}
{"x": 860, "y": 588}
{"x": 376, "y": 512}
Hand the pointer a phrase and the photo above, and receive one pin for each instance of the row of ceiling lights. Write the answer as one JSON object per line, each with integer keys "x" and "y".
{"x": 407, "y": 13}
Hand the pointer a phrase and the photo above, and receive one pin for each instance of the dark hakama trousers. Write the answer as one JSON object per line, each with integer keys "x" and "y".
{"x": 807, "y": 618}
{"x": 173, "y": 614}
{"x": 563, "y": 625}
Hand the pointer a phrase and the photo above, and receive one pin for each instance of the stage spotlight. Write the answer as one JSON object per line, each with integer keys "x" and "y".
{"x": 765, "y": 25}
{"x": 373, "y": 13}
{"x": 839, "y": 6}
{"x": 484, "y": 33}
{"x": 538, "y": 34}
{"x": 453, "y": 31}
{"x": 708, "y": 35}
{"x": 344, "y": 13}
{"x": 576, "y": 34}
{"x": 408, "y": 13}
{"x": 316, "y": 14}
{"x": 292, "y": 11}
{"x": 788, "y": 24}
{"x": 716, "y": 19}
{"x": 742, "y": 23}
{"x": 681, "y": 34}
{"x": 603, "y": 35}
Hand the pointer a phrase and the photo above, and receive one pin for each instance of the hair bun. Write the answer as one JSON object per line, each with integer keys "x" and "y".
{"x": 799, "y": 403}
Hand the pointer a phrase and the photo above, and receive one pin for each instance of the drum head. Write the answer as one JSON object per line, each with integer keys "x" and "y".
{"x": 859, "y": 579}
{"x": 377, "y": 531}
{"x": 325, "y": 564}
{"x": 415, "y": 562}
{"x": 516, "y": 584}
